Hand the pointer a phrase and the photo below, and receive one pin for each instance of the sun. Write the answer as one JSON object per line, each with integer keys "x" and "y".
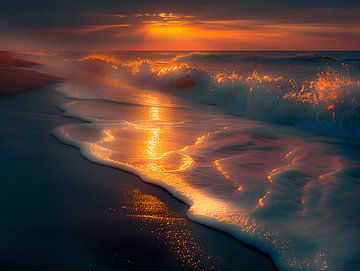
{"x": 169, "y": 30}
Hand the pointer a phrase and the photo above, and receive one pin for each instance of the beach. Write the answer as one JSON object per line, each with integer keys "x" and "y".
{"x": 62, "y": 212}
{"x": 160, "y": 160}
{"x": 180, "y": 135}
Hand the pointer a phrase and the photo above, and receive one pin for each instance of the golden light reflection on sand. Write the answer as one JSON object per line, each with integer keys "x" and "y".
{"x": 172, "y": 228}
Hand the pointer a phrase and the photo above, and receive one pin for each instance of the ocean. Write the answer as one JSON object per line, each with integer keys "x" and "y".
{"x": 261, "y": 145}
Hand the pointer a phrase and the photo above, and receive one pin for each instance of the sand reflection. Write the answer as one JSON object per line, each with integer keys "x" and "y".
{"x": 170, "y": 226}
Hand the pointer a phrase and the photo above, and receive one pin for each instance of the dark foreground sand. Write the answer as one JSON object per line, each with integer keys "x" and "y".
{"x": 62, "y": 212}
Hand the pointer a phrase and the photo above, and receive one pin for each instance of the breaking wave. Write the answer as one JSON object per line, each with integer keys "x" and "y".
{"x": 326, "y": 101}
{"x": 248, "y": 57}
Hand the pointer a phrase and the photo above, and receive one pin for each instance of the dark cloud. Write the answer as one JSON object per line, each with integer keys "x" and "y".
{"x": 68, "y": 12}
{"x": 91, "y": 22}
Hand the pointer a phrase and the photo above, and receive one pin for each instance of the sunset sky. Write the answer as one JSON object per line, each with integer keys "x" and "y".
{"x": 180, "y": 25}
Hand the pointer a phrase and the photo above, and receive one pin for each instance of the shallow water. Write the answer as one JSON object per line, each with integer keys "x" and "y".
{"x": 283, "y": 189}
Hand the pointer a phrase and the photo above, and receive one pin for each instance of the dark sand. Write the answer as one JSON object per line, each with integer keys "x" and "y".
{"x": 15, "y": 78}
{"x": 62, "y": 212}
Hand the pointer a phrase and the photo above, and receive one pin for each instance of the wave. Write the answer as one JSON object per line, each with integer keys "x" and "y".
{"x": 327, "y": 102}
{"x": 300, "y": 58}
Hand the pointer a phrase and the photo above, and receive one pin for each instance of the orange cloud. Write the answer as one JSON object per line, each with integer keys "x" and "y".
{"x": 175, "y": 32}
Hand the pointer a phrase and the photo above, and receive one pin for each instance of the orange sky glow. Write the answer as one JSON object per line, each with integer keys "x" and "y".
{"x": 186, "y": 33}
{"x": 170, "y": 31}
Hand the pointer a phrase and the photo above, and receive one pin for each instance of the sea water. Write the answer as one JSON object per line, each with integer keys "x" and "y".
{"x": 261, "y": 145}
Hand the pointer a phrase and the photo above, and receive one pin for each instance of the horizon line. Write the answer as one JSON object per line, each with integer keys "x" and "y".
{"x": 201, "y": 50}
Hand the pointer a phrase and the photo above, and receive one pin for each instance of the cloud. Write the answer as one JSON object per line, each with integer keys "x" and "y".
{"x": 187, "y": 25}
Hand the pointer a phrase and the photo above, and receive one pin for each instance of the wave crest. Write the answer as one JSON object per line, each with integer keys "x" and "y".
{"x": 327, "y": 103}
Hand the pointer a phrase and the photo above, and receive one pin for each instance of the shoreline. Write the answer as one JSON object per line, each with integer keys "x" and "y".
{"x": 100, "y": 213}
{"x": 185, "y": 206}
{"x": 183, "y": 209}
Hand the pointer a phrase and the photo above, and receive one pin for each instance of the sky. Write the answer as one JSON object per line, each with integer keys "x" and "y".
{"x": 180, "y": 25}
